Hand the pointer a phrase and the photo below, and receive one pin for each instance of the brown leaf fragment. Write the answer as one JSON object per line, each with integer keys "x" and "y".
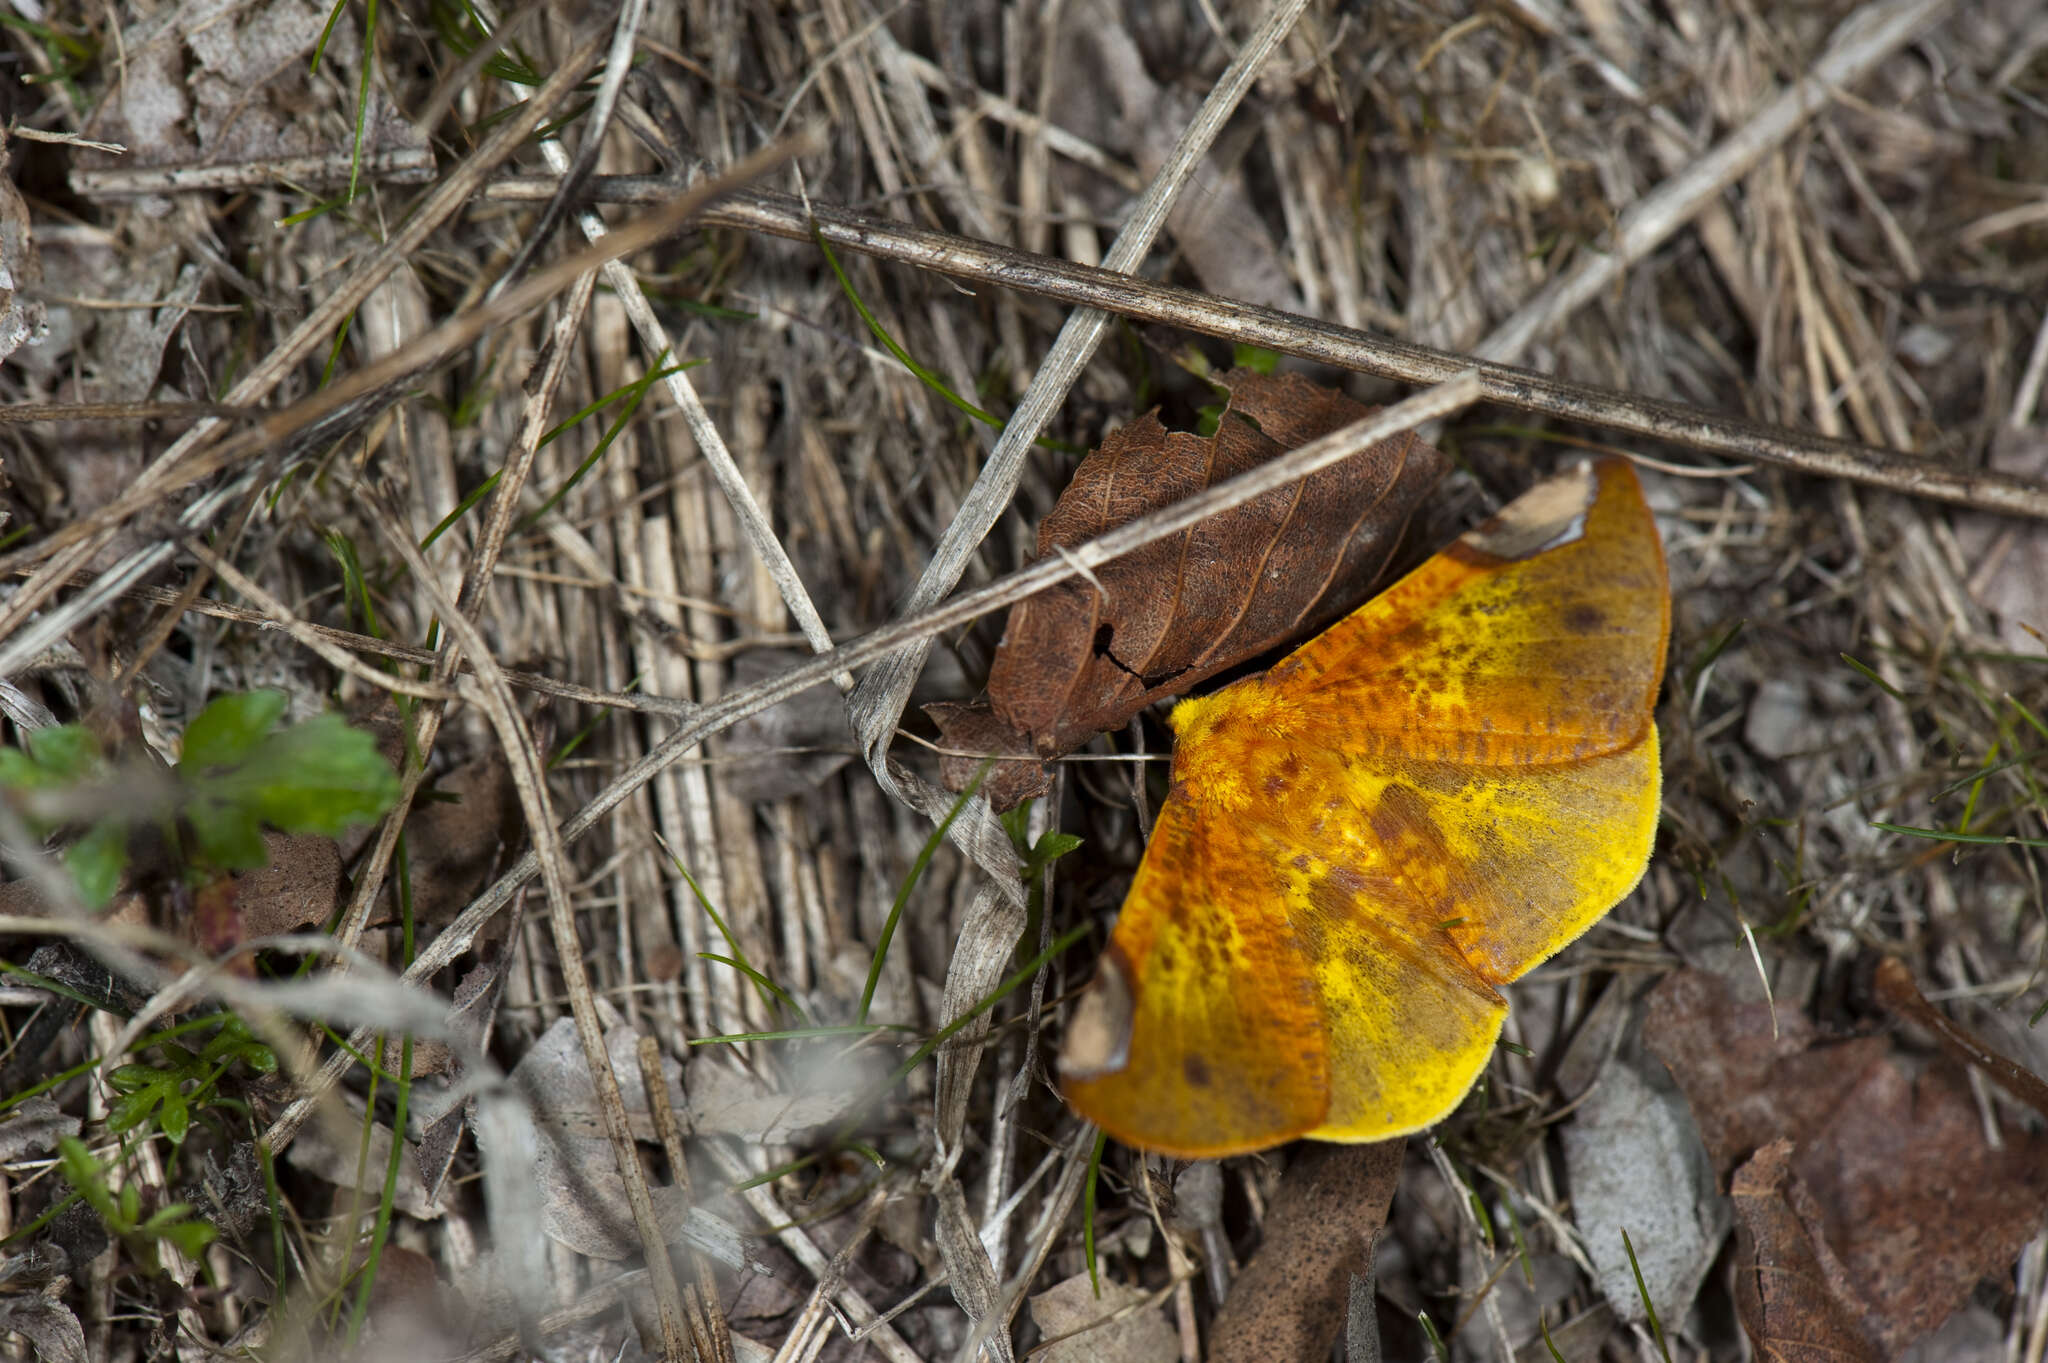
{"x": 1116, "y": 1325}
{"x": 216, "y": 923}
{"x": 455, "y": 839}
{"x": 973, "y": 733}
{"x": 1905, "y": 1191}
{"x": 1917, "y": 1203}
{"x": 300, "y": 888}
{"x": 1076, "y": 661}
{"x": 1747, "y": 1082}
{"x": 1796, "y": 1300}
{"x": 1292, "y": 1298}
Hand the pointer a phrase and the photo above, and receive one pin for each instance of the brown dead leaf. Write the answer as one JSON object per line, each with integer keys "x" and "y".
{"x": 455, "y": 837}
{"x": 1115, "y": 1327}
{"x": 299, "y": 888}
{"x": 973, "y": 734}
{"x": 1745, "y": 1085}
{"x": 1797, "y": 1302}
{"x": 1290, "y": 1301}
{"x": 1905, "y": 1191}
{"x": 1076, "y": 661}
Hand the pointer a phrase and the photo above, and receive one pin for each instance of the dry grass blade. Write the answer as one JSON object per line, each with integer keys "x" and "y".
{"x": 273, "y": 430}
{"x": 491, "y": 691}
{"x": 1870, "y": 34}
{"x": 69, "y": 548}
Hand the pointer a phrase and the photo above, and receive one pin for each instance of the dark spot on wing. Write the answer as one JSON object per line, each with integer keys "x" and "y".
{"x": 1196, "y": 1070}
{"x": 1401, "y": 819}
{"x": 1584, "y": 619}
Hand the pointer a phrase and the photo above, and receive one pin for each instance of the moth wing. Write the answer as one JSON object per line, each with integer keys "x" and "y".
{"x": 1537, "y": 637}
{"x": 1199, "y": 1034}
{"x": 1235, "y": 980}
{"x": 1423, "y": 802}
{"x": 1449, "y": 886}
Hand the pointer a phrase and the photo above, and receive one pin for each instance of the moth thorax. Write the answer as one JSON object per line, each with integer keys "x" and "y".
{"x": 1220, "y": 740}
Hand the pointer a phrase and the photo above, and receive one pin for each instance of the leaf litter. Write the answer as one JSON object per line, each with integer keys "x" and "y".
{"x": 1872, "y": 1200}
{"x": 1421, "y": 174}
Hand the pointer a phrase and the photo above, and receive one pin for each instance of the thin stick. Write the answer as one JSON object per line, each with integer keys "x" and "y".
{"x": 395, "y": 165}
{"x": 281, "y": 616}
{"x": 1677, "y": 423}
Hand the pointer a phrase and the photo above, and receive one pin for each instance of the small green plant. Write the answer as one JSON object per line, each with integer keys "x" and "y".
{"x": 239, "y": 773}
{"x": 185, "y": 1079}
{"x": 122, "y": 1211}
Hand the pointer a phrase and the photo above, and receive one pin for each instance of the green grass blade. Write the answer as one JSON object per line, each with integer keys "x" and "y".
{"x": 1955, "y": 835}
{"x": 1871, "y": 675}
{"x": 1088, "y": 1210}
{"x": 767, "y": 986}
{"x": 1649, "y": 1307}
{"x": 917, "y": 870}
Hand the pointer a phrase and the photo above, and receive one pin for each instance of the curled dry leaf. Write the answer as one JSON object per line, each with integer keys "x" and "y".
{"x": 1087, "y": 655}
{"x": 1797, "y": 1301}
{"x": 1894, "y": 1177}
{"x": 32, "y": 1128}
{"x": 1292, "y": 1298}
{"x": 48, "y": 1324}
